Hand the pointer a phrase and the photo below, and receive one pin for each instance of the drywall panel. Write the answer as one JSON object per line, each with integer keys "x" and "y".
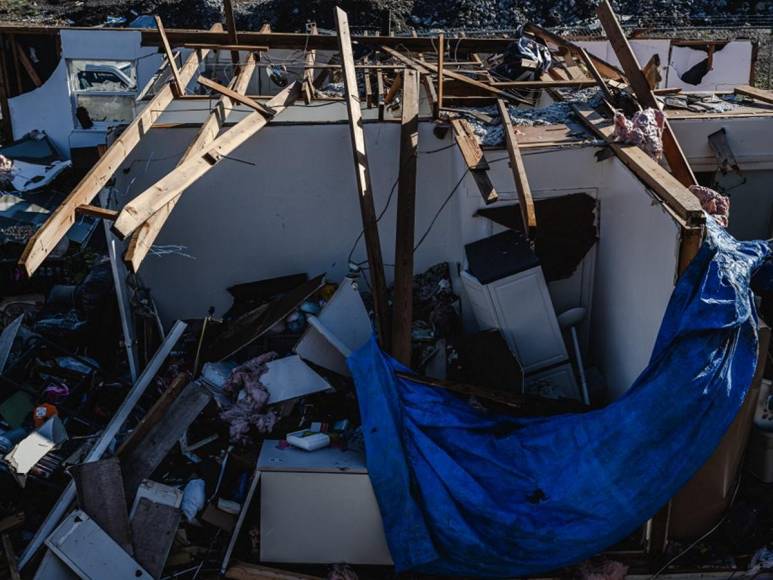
{"x": 731, "y": 66}
{"x": 49, "y": 107}
{"x": 644, "y": 49}
{"x": 635, "y": 272}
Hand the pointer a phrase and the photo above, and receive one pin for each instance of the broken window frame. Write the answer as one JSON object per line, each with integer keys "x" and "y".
{"x": 76, "y": 93}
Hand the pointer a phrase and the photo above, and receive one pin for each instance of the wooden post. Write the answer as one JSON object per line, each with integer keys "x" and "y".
{"x": 441, "y": 50}
{"x": 671, "y": 149}
{"x": 177, "y": 86}
{"x": 6, "y": 130}
{"x": 308, "y": 72}
{"x": 519, "y": 173}
{"x": 364, "y": 186}
{"x": 406, "y": 210}
{"x": 230, "y": 25}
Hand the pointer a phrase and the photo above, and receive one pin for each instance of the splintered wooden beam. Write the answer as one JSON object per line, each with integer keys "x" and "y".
{"x": 230, "y": 24}
{"x": 362, "y": 173}
{"x": 755, "y": 93}
{"x": 546, "y": 84}
{"x": 402, "y": 310}
{"x": 97, "y": 212}
{"x": 27, "y": 64}
{"x": 525, "y": 199}
{"x": 441, "y": 52}
{"x": 235, "y": 96}
{"x": 428, "y": 67}
{"x": 63, "y": 217}
{"x": 473, "y": 157}
{"x": 308, "y": 71}
{"x": 594, "y": 72}
{"x": 153, "y": 199}
{"x": 178, "y": 82}
{"x": 142, "y": 239}
{"x": 641, "y": 88}
{"x": 676, "y": 196}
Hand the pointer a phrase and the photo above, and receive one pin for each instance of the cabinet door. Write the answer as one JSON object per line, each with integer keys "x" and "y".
{"x": 526, "y": 317}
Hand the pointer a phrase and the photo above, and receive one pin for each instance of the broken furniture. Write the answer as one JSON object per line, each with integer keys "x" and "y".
{"x": 318, "y": 507}
{"x": 507, "y": 290}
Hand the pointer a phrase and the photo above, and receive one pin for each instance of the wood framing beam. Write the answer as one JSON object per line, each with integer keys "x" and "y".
{"x": 230, "y": 26}
{"x": 594, "y": 72}
{"x": 473, "y": 157}
{"x": 153, "y": 199}
{"x": 674, "y": 194}
{"x": 96, "y": 211}
{"x": 525, "y": 199}
{"x": 441, "y": 53}
{"x": 428, "y": 67}
{"x": 547, "y": 84}
{"x": 402, "y": 310}
{"x": 27, "y": 64}
{"x": 179, "y": 86}
{"x": 308, "y": 71}
{"x": 6, "y": 128}
{"x": 231, "y": 47}
{"x": 142, "y": 240}
{"x": 362, "y": 172}
{"x": 236, "y": 97}
{"x": 60, "y": 220}
{"x": 641, "y": 88}
{"x": 755, "y": 93}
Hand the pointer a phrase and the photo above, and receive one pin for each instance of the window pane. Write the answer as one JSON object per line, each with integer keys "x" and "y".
{"x": 103, "y": 76}
{"x": 111, "y": 109}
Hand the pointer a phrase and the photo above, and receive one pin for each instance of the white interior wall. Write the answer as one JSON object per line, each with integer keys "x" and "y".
{"x": 296, "y": 210}
{"x": 732, "y": 65}
{"x": 49, "y": 107}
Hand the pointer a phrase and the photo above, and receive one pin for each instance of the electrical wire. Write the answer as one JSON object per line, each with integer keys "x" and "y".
{"x": 704, "y": 536}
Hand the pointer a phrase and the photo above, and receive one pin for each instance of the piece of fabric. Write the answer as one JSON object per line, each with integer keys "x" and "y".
{"x": 645, "y": 129}
{"x": 465, "y": 492}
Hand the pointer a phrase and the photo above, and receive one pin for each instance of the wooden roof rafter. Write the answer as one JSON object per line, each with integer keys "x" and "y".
{"x": 142, "y": 239}
{"x": 63, "y": 217}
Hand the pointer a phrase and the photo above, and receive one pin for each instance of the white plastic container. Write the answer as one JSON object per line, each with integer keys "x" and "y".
{"x": 308, "y": 440}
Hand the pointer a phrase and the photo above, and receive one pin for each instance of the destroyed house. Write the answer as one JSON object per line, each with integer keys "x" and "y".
{"x": 271, "y": 293}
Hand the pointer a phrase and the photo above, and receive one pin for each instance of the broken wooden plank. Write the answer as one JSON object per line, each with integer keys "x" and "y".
{"x": 402, "y": 310}
{"x": 96, "y": 211}
{"x": 252, "y": 325}
{"x": 142, "y": 239}
{"x": 27, "y": 64}
{"x": 665, "y": 185}
{"x": 308, "y": 71}
{"x": 232, "y": 47}
{"x": 154, "y": 415}
{"x": 243, "y": 571}
{"x": 63, "y": 217}
{"x": 474, "y": 159}
{"x": 177, "y": 84}
{"x": 594, "y": 72}
{"x": 755, "y": 93}
{"x": 641, "y": 88}
{"x": 362, "y": 174}
{"x": 184, "y": 175}
{"x": 142, "y": 461}
{"x": 425, "y": 67}
{"x": 230, "y": 26}
{"x": 440, "y": 60}
{"x": 525, "y": 199}
{"x": 546, "y": 84}
{"x": 154, "y": 526}
{"x": 237, "y": 97}
{"x": 99, "y": 486}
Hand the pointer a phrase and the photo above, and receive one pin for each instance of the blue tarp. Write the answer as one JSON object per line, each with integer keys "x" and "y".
{"x": 467, "y": 492}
